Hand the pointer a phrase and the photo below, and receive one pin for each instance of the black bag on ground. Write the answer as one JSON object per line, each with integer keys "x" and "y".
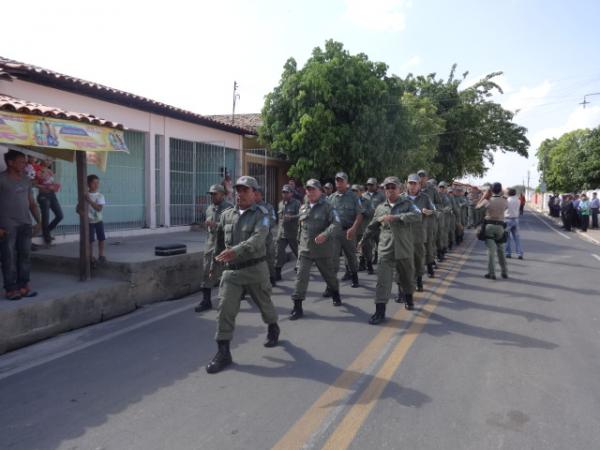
{"x": 170, "y": 249}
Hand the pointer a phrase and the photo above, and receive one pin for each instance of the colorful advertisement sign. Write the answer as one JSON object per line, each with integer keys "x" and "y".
{"x": 47, "y": 132}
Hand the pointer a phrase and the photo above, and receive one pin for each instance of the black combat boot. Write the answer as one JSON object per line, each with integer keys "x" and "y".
{"x": 354, "y": 280}
{"x": 222, "y": 359}
{"x": 370, "y": 270}
{"x": 205, "y": 304}
{"x": 335, "y": 295}
{"x": 379, "y": 315}
{"x": 297, "y": 312}
{"x": 272, "y": 335}
{"x": 419, "y": 284}
{"x": 327, "y": 292}
{"x": 408, "y": 302}
{"x": 400, "y": 297}
{"x": 347, "y": 275}
{"x": 430, "y": 270}
{"x": 361, "y": 264}
{"x": 278, "y": 274}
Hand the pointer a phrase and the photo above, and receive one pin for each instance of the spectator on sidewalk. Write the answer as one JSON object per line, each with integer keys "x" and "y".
{"x": 521, "y": 203}
{"x": 47, "y": 189}
{"x": 594, "y": 209}
{"x": 512, "y": 224}
{"x": 584, "y": 212}
{"x": 96, "y": 203}
{"x": 16, "y": 208}
{"x": 575, "y": 214}
{"x": 566, "y": 212}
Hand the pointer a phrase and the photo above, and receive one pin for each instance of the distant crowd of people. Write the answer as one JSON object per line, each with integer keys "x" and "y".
{"x": 575, "y": 210}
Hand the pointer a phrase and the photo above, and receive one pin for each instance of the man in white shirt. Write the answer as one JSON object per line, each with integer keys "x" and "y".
{"x": 512, "y": 224}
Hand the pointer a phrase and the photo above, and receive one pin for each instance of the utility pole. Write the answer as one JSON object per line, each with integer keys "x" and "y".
{"x": 236, "y": 97}
{"x": 585, "y": 102}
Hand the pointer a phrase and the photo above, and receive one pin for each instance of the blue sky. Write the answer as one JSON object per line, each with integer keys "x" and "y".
{"x": 189, "y": 53}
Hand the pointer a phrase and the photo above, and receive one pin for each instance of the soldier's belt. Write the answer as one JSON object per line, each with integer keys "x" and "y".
{"x": 495, "y": 222}
{"x": 245, "y": 264}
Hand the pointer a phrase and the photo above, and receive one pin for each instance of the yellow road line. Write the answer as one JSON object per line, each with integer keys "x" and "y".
{"x": 345, "y": 432}
{"x": 297, "y": 436}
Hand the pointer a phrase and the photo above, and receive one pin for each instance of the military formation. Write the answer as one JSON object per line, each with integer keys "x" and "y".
{"x": 404, "y": 227}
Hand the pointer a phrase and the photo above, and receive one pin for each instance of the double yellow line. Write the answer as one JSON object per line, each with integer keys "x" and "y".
{"x": 314, "y": 418}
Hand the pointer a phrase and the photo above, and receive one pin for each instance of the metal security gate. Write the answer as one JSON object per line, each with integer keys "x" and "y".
{"x": 266, "y": 176}
{"x": 194, "y": 167}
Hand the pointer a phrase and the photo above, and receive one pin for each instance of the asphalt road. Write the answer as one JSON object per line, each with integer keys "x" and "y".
{"x": 507, "y": 364}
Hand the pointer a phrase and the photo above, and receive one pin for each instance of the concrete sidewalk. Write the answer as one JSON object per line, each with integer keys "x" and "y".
{"x": 132, "y": 277}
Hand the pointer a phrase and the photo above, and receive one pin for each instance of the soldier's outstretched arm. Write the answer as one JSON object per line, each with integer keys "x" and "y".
{"x": 257, "y": 239}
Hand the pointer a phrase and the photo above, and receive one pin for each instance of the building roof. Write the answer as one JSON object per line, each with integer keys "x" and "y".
{"x": 12, "y": 104}
{"x": 247, "y": 121}
{"x": 50, "y": 78}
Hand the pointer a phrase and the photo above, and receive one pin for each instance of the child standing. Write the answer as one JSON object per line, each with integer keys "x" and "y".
{"x": 96, "y": 201}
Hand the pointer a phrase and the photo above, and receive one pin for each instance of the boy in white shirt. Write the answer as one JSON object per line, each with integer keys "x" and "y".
{"x": 96, "y": 203}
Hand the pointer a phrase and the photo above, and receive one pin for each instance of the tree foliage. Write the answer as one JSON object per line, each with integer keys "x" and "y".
{"x": 343, "y": 112}
{"x": 572, "y": 161}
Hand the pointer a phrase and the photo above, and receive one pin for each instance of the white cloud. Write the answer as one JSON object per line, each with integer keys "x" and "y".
{"x": 527, "y": 98}
{"x": 578, "y": 118}
{"x": 411, "y": 64}
{"x": 377, "y": 15}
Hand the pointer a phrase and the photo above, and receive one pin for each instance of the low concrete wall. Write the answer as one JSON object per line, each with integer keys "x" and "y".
{"x": 117, "y": 289}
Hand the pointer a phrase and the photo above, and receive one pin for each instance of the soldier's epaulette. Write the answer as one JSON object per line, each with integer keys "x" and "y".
{"x": 263, "y": 209}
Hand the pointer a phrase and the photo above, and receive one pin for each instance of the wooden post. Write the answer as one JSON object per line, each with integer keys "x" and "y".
{"x": 85, "y": 271}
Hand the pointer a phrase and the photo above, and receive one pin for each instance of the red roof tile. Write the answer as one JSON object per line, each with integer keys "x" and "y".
{"x": 39, "y": 75}
{"x": 247, "y": 121}
{"x": 8, "y": 103}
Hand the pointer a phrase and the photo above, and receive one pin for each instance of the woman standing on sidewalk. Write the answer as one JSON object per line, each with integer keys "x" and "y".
{"x": 584, "y": 212}
{"x": 47, "y": 189}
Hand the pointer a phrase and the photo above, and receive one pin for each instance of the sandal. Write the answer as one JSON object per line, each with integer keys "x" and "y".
{"x": 27, "y": 293}
{"x": 13, "y": 295}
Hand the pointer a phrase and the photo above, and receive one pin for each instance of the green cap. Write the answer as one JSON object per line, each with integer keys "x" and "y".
{"x": 216, "y": 188}
{"x": 392, "y": 180}
{"x": 247, "y": 181}
{"x": 313, "y": 183}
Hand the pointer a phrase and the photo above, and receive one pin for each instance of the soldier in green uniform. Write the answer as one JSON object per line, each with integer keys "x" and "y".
{"x": 430, "y": 222}
{"x": 259, "y": 193}
{"x": 350, "y": 212}
{"x": 241, "y": 244}
{"x": 456, "y": 214}
{"x": 494, "y": 205}
{"x": 393, "y": 219}
{"x": 425, "y": 206}
{"x": 211, "y": 268}
{"x": 319, "y": 229}
{"x": 365, "y": 261}
{"x": 448, "y": 221}
{"x": 289, "y": 209}
{"x": 328, "y": 189}
{"x": 377, "y": 198}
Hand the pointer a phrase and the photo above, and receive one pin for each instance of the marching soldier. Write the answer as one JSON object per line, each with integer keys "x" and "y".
{"x": 447, "y": 223}
{"x": 425, "y": 206}
{"x": 350, "y": 212}
{"x": 376, "y": 197}
{"x": 319, "y": 229}
{"x": 366, "y": 254}
{"x": 453, "y": 234}
{"x": 259, "y": 193}
{"x": 212, "y": 269}
{"x": 288, "y": 211}
{"x": 393, "y": 219}
{"x": 328, "y": 189}
{"x": 430, "y": 222}
{"x": 241, "y": 243}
